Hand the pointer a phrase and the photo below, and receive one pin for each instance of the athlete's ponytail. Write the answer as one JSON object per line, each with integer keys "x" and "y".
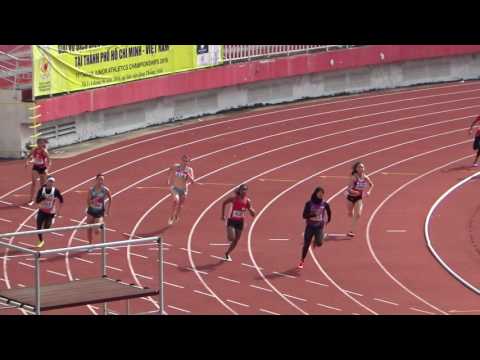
{"x": 354, "y": 167}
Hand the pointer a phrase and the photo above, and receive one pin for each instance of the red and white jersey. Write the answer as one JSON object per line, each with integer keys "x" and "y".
{"x": 39, "y": 156}
{"x": 239, "y": 208}
{"x": 183, "y": 173}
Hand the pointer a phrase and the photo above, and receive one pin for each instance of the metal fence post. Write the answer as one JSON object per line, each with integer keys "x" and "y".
{"x": 160, "y": 273}
{"x": 37, "y": 283}
{"x": 104, "y": 261}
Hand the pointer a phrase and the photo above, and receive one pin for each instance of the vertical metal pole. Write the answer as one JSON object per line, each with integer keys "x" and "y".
{"x": 37, "y": 283}
{"x": 104, "y": 262}
{"x": 160, "y": 273}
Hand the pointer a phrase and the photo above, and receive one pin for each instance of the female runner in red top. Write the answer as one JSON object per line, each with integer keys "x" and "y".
{"x": 240, "y": 204}
{"x": 356, "y": 189}
{"x": 41, "y": 162}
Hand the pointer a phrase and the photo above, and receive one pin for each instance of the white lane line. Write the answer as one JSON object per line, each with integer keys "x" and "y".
{"x": 5, "y": 220}
{"x": 354, "y": 293}
{"x": 355, "y": 314}
{"x": 110, "y": 312}
{"x": 396, "y": 231}
{"x": 219, "y": 244}
{"x": 329, "y": 307}
{"x": 217, "y": 257}
{"x": 138, "y": 255}
{"x": 268, "y": 312}
{"x": 21, "y": 207}
{"x": 78, "y": 239}
{"x": 143, "y": 276}
{"x": 21, "y": 285}
{"x": 294, "y": 297}
{"x": 169, "y": 263}
{"x": 238, "y": 303}
{"x": 422, "y": 311}
{"x": 56, "y": 273}
{"x": 227, "y": 279}
{"x": 84, "y": 260}
{"x": 95, "y": 307}
{"x": 251, "y": 266}
{"x": 201, "y": 272}
{"x": 385, "y": 301}
{"x": 174, "y": 285}
{"x": 25, "y": 244}
{"x": 177, "y": 308}
{"x": 111, "y": 230}
{"x": 261, "y": 288}
{"x": 58, "y": 234}
{"x": 2, "y": 279}
{"x": 278, "y": 239}
{"x": 27, "y": 265}
{"x": 193, "y": 251}
{"x": 29, "y": 226}
{"x": 316, "y": 283}
{"x": 283, "y": 274}
{"x": 113, "y": 268}
{"x": 202, "y": 293}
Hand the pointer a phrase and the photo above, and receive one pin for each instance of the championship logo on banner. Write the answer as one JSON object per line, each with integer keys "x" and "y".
{"x": 60, "y": 69}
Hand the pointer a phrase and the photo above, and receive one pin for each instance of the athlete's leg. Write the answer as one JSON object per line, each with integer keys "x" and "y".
{"x": 307, "y": 240}
{"x": 181, "y": 201}
{"x": 32, "y": 186}
{"x": 476, "y": 157}
{"x": 233, "y": 244}
{"x": 90, "y": 220}
{"x": 357, "y": 213}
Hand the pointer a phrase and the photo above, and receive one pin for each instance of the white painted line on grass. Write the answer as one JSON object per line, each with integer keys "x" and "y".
{"x": 261, "y": 288}
{"x": 56, "y": 273}
{"x": 385, "y": 301}
{"x": 177, "y": 308}
{"x": 227, "y": 279}
{"x": 238, "y": 303}
{"x": 329, "y": 307}
{"x": 268, "y": 312}
{"x": 316, "y": 283}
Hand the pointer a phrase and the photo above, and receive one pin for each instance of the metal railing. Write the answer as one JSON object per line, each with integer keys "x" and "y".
{"x": 38, "y": 254}
{"x": 233, "y": 53}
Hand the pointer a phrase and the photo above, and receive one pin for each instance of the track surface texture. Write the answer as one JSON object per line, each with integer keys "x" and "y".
{"x": 414, "y": 144}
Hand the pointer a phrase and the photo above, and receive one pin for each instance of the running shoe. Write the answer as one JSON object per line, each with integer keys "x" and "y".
{"x": 41, "y": 243}
{"x": 30, "y": 203}
{"x": 300, "y": 266}
{"x": 228, "y": 257}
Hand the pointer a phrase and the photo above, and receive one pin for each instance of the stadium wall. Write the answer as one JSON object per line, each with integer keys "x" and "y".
{"x": 113, "y": 110}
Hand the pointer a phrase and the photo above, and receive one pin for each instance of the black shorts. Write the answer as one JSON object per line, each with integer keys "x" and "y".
{"x": 353, "y": 199}
{"x": 96, "y": 213}
{"x": 43, "y": 217}
{"x": 39, "y": 169}
{"x": 476, "y": 143}
{"x": 313, "y": 231}
{"x": 236, "y": 224}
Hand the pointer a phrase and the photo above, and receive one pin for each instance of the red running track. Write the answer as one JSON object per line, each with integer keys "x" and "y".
{"x": 414, "y": 143}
